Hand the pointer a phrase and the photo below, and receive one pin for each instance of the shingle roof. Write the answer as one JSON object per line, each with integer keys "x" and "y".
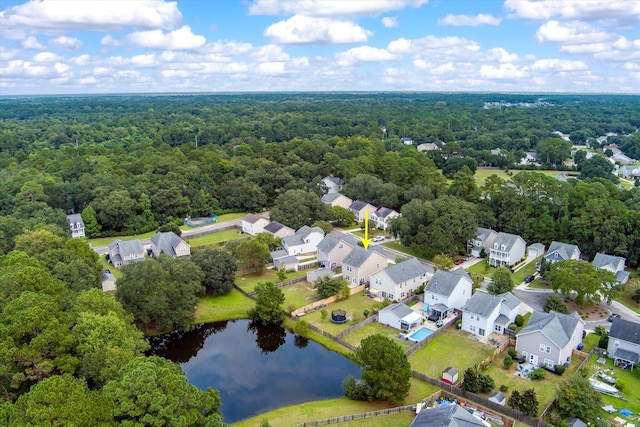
{"x": 399, "y": 309}
{"x": 383, "y": 212}
{"x": 358, "y": 205}
{"x": 484, "y": 233}
{"x": 539, "y": 247}
{"x": 559, "y": 251}
{"x": 497, "y": 397}
{"x": 556, "y": 326}
{"x": 75, "y": 218}
{"x": 335, "y": 180}
{"x": 329, "y": 242}
{"x": 357, "y": 256}
{"x": 321, "y": 272}
{"x": 328, "y": 198}
{"x": 252, "y": 218}
{"x": 166, "y": 242}
{"x": 405, "y": 270}
{"x": 107, "y": 275}
{"x": 305, "y": 230}
{"x": 280, "y": 253}
{"x": 625, "y": 330}
{"x": 446, "y": 416}
{"x": 603, "y": 260}
{"x": 483, "y": 303}
{"x": 506, "y": 239}
{"x": 444, "y": 282}
{"x": 273, "y": 227}
{"x": 127, "y": 247}
{"x": 294, "y": 240}
{"x": 288, "y": 259}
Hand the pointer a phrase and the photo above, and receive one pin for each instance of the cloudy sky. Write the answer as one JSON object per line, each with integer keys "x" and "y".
{"x": 134, "y": 46}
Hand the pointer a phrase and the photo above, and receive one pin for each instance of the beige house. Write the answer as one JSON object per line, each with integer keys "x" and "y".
{"x": 170, "y": 244}
{"x": 122, "y": 252}
{"x": 254, "y": 224}
{"x": 337, "y": 199}
{"x": 332, "y": 250}
{"x": 360, "y": 264}
{"x": 361, "y": 210}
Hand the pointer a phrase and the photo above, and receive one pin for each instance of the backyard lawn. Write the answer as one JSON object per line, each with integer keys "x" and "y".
{"x": 590, "y": 342}
{"x": 481, "y": 174}
{"x": 100, "y": 242}
{"x": 217, "y": 237}
{"x": 233, "y": 305}
{"x": 453, "y": 348}
{"x": 248, "y": 282}
{"x": 630, "y": 380}
{"x": 106, "y": 266}
{"x": 354, "y": 306}
{"x": 377, "y": 328}
{"x": 298, "y": 295}
{"x": 629, "y": 289}
{"x": 221, "y": 218}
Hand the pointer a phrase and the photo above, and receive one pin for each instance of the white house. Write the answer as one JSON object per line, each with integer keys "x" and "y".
{"x": 122, "y": 252}
{"x": 382, "y": 217}
{"x": 334, "y": 185}
{"x": 305, "y": 240}
{"x": 484, "y": 239}
{"x": 332, "y": 250}
{"x": 614, "y": 264}
{"x": 254, "y": 224}
{"x": 506, "y": 250}
{"x": 398, "y": 281}
{"x": 169, "y": 243}
{"x": 549, "y": 338}
{"x": 559, "y": 251}
{"x": 629, "y": 172}
{"x": 361, "y": 263}
{"x": 446, "y": 291}
{"x": 624, "y": 342}
{"x": 361, "y": 209}
{"x": 337, "y": 199}
{"x": 76, "y": 225}
{"x": 399, "y": 316}
{"x": 278, "y": 230}
{"x": 484, "y": 313}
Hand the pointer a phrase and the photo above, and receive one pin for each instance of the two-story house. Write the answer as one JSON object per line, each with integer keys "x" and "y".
{"x": 398, "y": 281}
{"x": 332, "y": 250}
{"x": 624, "y": 342}
{"x": 169, "y": 243}
{"x": 614, "y": 264}
{"x": 506, "y": 250}
{"x": 382, "y": 217}
{"x": 122, "y": 252}
{"x": 278, "y": 230}
{"x": 337, "y": 199}
{"x": 549, "y": 338}
{"x": 559, "y": 251}
{"x": 305, "y": 240}
{"x": 360, "y": 264}
{"x": 446, "y": 291}
{"x": 76, "y": 225}
{"x": 254, "y": 224}
{"x": 361, "y": 209}
{"x": 484, "y": 239}
{"x": 484, "y": 313}
{"x": 333, "y": 184}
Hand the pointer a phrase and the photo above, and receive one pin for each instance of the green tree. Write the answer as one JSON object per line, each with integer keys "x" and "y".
{"x": 251, "y": 255}
{"x": 268, "y": 309}
{"x": 155, "y": 391}
{"x": 555, "y": 303}
{"x": 219, "y": 268}
{"x": 576, "y": 398}
{"x": 598, "y": 167}
{"x": 115, "y": 209}
{"x": 327, "y": 286}
{"x": 91, "y": 226}
{"x": 501, "y": 281}
{"x": 386, "y": 372}
{"x": 515, "y": 400}
{"x": 486, "y": 383}
{"x": 443, "y": 262}
{"x": 471, "y": 381}
{"x": 295, "y": 208}
{"x": 10, "y": 228}
{"x": 582, "y": 278}
{"x": 172, "y": 227}
{"x": 342, "y": 217}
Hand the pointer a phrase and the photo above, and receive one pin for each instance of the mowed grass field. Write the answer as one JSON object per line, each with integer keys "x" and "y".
{"x": 483, "y": 173}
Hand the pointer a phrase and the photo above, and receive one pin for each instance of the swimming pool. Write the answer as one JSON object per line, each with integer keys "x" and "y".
{"x": 420, "y": 334}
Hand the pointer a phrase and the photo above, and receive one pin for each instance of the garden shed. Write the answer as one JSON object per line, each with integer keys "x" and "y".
{"x": 450, "y": 375}
{"x": 498, "y": 398}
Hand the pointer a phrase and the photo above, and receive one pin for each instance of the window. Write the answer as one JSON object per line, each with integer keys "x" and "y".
{"x": 349, "y": 278}
{"x": 542, "y": 347}
{"x": 497, "y": 328}
{"x": 524, "y": 355}
{"x": 481, "y": 332}
{"x": 348, "y": 268}
{"x": 433, "y": 297}
{"x": 472, "y": 328}
{"x": 402, "y": 295}
{"x": 548, "y": 350}
{"x": 548, "y": 363}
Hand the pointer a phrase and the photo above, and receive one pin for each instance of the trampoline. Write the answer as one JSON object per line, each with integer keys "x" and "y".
{"x": 339, "y": 316}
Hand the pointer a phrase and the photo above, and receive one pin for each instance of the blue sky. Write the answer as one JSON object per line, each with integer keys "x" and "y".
{"x": 137, "y": 46}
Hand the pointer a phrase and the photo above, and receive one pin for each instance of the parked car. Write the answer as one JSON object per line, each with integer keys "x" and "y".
{"x": 613, "y": 317}
{"x": 529, "y": 278}
{"x": 378, "y": 239}
{"x": 458, "y": 261}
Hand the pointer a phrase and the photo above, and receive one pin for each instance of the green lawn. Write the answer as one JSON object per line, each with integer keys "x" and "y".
{"x": 630, "y": 381}
{"x": 396, "y": 245}
{"x": 100, "y": 242}
{"x": 628, "y": 291}
{"x": 248, "y": 282}
{"x": 452, "y": 348}
{"x": 355, "y": 305}
{"x": 519, "y": 275}
{"x": 106, "y": 266}
{"x": 377, "y": 328}
{"x": 233, "y": 305}
{"x": 372, "y": 233}
{"x": 545, "y": 388}
{"x": 590, "y": 342}
{"x": 539, "y": 284}
{"x": 298, "y": 295}
{"x": 221, "y": 218}
{"x": 482, "y": 174}
{"x": 215, "y": 238}
{"x": 483, "y": 269}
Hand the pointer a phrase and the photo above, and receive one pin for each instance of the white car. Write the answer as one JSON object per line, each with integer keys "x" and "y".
{"x": 378, "y": 239}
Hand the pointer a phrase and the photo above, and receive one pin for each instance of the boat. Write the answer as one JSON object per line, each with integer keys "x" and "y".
{"x": 605, "y": 377}
{"x": 601, "y": 387}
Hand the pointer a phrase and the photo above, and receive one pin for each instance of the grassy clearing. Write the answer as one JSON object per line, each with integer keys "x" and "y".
{"x": 106, "y": 266}
{"x": 298, "y": 295}
{"x": 248, "y": 282}
{"x": 630, "y": 381}
{"x": 233, "y": 305}
{"x": 539, "y": 284}
{"x": 590, "y": 342}
{"x": 482, "y": 268}
{"x": 377, "y": 328}
{"x": 100, "y": 242}
{"x": 354, "y": 306}
{"x": 222, "y": 218}
{"x": 452, "y": 348}
{"x": 216, "y": 238}
{"x": 519, "y": 275}
{"x": 482, "y": 174}
{"x": 396, "y": 245}
{"x": 629, "y": 289}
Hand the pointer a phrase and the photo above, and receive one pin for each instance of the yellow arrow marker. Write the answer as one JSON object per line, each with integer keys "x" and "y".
{"x": 366, "y": 240}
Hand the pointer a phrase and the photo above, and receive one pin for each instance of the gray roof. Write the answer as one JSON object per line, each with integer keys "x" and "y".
{"x": 399, "y": 309}
{"x": 321, "y": 272}
{"x": 290, "y": 259}
{"x": 484, "y": 233}
{"x": 107, "y": 275}
{"x": 506, "y": 239}
{"x": 357, "y": 256}
{"x": 75, "y": 218}
{"x": 625, "y": 330}
{"x": 294, "y": 240}
{"x": 556, "y": 326}
{"x": 280, "y": 253}
{"x": 127, "y": 247}
{"x": 483, "y": 303}
{"x": 252, "y": 218}
{"x": 446, "y": 416}
{"x": 358, "y": 205}
{"x": 328, "y": 198}
{"x": 623, "y": 276}
{"x": 405, "y": 270}
{"x": 559, "y": 251}
{"x": 603, "y": 260}
{"x": 327, "y": 244}
{"x": 502, "y": 320}
{"x": 537, "y": 246}
{"x": 462, "y": 273}
{"x": 497, "y": 397}
{"x": 274, "y": 227}
{"x": 384, "y": 212}
{"x": 444, "y": 282}
{"x": 627, "y": 355}
{"x": 166, "y": 242}
{"x": 305, "y": 230}
{"x": 575, "y": 422}
{"x": 335, "y": 180}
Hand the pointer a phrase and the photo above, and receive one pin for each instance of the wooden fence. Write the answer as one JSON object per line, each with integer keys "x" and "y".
{"x": 417, "y": 346}
{"x": 211, "y": 231}
{"x": 332, "y": 337}
{"x": 280, "y": 285}
{"x": 357, "y": 326}
{"x": 336, "y": 420}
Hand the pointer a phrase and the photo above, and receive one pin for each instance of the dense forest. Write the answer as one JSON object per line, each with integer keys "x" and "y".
{"x": 132, "y": 164}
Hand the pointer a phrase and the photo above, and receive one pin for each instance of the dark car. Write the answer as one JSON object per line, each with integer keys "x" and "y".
{"x": 613, "y": 317}
{"x": 529, "y": 278}
{"x": 458, "y": 261}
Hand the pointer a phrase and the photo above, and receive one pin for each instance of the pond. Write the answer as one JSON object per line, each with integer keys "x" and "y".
{"x": 255, "y": 369}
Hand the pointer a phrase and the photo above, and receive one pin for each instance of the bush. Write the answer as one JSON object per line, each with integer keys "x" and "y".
{"x": 504, "y": 388}
{"x": 324, "y": 314}
{"x": 559, "y": 369}
{"x": 519, "y": 320}
{"x": 459, "y": 324}
{"x": 603, "y": 342}
{"x": 486, "y": 383}
{"x": 512, "y": 327}
{"x": 508, "y": 361}
{"x": 600, "y": 330}
{"x": 365, "y": 313}
{"x": 512, "y": 352}
{"x": 538, "y": 374}
{"x": 301, "y": 327}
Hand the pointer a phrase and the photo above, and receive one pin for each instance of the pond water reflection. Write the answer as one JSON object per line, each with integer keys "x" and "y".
{"x": 255, "y": 368}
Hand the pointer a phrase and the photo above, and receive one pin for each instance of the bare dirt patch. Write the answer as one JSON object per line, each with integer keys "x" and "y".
{"x": 589, "y": 310}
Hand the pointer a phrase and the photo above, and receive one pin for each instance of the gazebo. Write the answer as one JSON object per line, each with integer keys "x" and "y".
{"x": 339, "y": 316}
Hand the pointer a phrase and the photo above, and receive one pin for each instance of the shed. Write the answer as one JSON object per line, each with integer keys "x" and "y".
{"x": 108, "y": 281}
{"x": 536, "y": 250}
{"x": 576, "y": 422}
{"x": 314, "y": 275}
{"x": 450, "y": 375}
{"x": 289, "y": 263}
{"x": 498, "y": 398}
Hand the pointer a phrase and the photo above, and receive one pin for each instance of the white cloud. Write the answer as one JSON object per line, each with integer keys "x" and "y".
{"x": 109, "y": 40}
{"x": 503, "y": 71}
{"x": 32, "y": 43}
{"x": 469, "y": 21}
{"x": 390, "y": 21}
{"x": 330, "y": 8}
{"x": 179, "y": 39}
{"x": 103, "y": 15}
{"x": 46, "y": 57}
{"x": 102, "y": 71}
{"x": 619, "y": 12}
{"x": 304, "y": 30}
{"x": 501, "y": 55}
{"x": 573, "y": 32}
{"x": 70, "y": 43}
{"x": 144, "y": 60}
{"x": 587, "y": 48}
{"x": 558, "y": 65}
{"x": 363, "y": 54}
{"x": 272, "y": 68}
{"x": 445, "y": 48}
{"x": 269, "y": 53}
